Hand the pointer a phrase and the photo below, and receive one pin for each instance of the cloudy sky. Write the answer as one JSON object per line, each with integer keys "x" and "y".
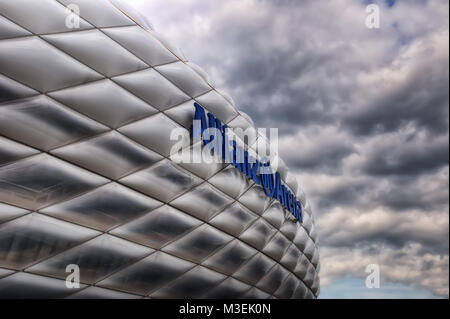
{"x": 363, "y": 116}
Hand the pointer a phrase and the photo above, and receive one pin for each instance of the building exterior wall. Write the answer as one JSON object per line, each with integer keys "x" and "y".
{"x": 86, "y": 176}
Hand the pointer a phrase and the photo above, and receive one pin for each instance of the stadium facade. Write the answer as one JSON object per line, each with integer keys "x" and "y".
{"x": 87, "y": 107}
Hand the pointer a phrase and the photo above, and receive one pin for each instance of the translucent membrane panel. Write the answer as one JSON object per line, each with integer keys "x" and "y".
{"x": 209, "y": 163}
{"x": 43, "y": 16}
{"x": 183, "y": 114}
{"x": 168, "y": 43}
{"x": 291, "y": 181}
{"x": 282, "y": 168}
{"x": 42, "y": 180}
{"x": 100, "y": 293}
{"x": 255, "y": 199}
{"x": 300, "y": 291}
{"x": 272, "y": 280}
{"x": 148, "y": 274}
{"x": 289, "y": 227}
{"x": 231, "y": 101}
{"x": 11, "y": 151}
{"x": 218, "y": 105}
{"x": 12, "y": 90}
{"x": 123, "y": 155}
{"x": 274, "y": 214}
{"x": 142, "y": 44}
{"x": 231, "y": 181}
{"x": 307, "y": 222}
{"x": 316, "y": 283}
{"x": 200, "y": 71}
{"x": 44, "y": 123}
{"x": 310, "y": 274}
{"x": 194, "y": 284}
{"x": 313, "y": 233}
{"x": 301, "y": 196}
{"x": 5, "y": 272}
{"x": 286, "y": 290}
{"x": 276, "y": 246}
{"x": 105, "y": 102}
{"x": 199, "y": 244}
{"x": 8, "y": 212}
{"x": 255, "y": 293}
{"x": 244, "y": 130}
{"x": 302, "y": 267}
{"x": 100, "y": 13}
{"x": 301, "y": 238}
{"x": 230, "y": 258}
{"x": 97, "y": 258}
{"x": 37, "y": 64}
{"x": 255, "y": 269}
{"x": 33, "y": 237}
{"x": 185, "y": 78}
{"x": 132, "y": 13}
{"x": 291, "y": 257}
{"x": 258, "y": 234}
{"x": 228, "y": 289}
{"x": 153, "y": 132}
{"x": 315, "y": 258}
{"x": 309, "y": 249}
{"x": 203, "y": 202}
{"x": 153, "y": 88}
{"x": 158, "y": 227}
{"x": 98, "y": 51}
{"x": 164, "y": 180}
{"x": 234, "y": 219}
{"x": 105, "y": 207}
{"x": 27, "y": 286}
{"x": 8, "y": 29}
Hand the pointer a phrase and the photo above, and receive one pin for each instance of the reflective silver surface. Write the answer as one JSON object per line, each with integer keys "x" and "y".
{"x": 86, "y": 179}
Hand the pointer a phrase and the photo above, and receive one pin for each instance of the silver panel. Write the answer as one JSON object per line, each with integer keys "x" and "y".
{"x": 31, "y": 238}
{"x": 101, "y": 13}
{"x": 109, "y": 59}
{"x": 185, "y": 78}
{"x": 12, "y": 90}
{"x": 198, "y": 244}
{"x": 158, "y": 227}
{"x": 97, "y": 258}
{"x": 124, "y": 156}
{"x": 45, "y": 124}
{"x": 43, "y": 180}
{"x": 36, "y": 63}
{"x": 11, "y": 151}
{"x": 103, "y": 101}
{"x": 142, "y": 44}
{"x": 8, "y": 212}
{"x": 43, "y": 16}
{"x": 153, "y": 88}
{"x": 164, "y": 181}
{"x": 104, "y": 208}
{"x": 27, "y": 286}
{"x": 203, "y": 202}
{"x": 148, "y": 274}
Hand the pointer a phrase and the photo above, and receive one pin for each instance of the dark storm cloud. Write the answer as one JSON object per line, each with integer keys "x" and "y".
{"x": 319, "y": 149}
{"x": 408, "y": 155}
{"x": 362, "y": 116}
